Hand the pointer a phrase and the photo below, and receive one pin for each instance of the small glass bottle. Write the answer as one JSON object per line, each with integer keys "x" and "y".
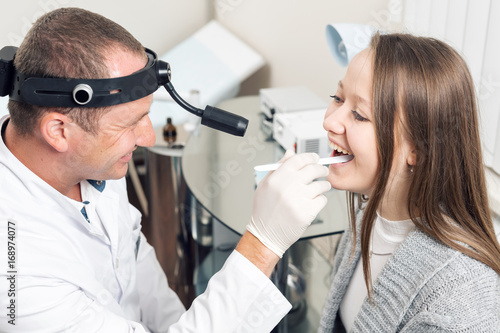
{"x": 169, "y": 132}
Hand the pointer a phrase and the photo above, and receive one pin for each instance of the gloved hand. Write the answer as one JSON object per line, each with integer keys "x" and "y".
{"x": 287, "y": 201}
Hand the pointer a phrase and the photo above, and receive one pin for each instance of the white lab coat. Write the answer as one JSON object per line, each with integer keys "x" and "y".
{"x": 72, "y": 277}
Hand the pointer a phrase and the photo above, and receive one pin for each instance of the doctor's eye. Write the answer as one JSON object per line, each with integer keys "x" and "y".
{"x": 337, "y": 99}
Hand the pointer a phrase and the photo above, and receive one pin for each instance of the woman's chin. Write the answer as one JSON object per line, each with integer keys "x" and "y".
{"x": 336, "y": 184}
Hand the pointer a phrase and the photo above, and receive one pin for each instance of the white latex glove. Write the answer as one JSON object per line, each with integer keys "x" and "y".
{"x": 287, "y": 201}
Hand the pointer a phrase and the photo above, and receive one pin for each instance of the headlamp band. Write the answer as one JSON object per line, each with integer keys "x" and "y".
{"x": 60, "y": 92}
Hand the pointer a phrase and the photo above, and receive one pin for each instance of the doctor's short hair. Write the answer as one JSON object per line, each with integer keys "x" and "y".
{"x": 68, "y": 43}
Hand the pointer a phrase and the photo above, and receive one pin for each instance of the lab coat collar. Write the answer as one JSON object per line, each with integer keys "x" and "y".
{"x": 109, "y": 206}
{"x": 42, "y": 190}
{"x": 11, "y": 160}
{"x": 107, "y": 209}
{"x": 34, "y": 184}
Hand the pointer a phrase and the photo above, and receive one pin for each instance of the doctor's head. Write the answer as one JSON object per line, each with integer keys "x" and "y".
{"x": 75, "y": 43}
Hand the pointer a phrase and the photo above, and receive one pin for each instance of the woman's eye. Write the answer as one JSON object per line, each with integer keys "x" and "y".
{"x": 336, "y": 99}
{"x": 357, "y": 116}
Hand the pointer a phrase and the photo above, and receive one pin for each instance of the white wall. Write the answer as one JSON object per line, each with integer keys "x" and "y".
{"x": 473, "y": 28}
{"x": 157, "y": 24}
{"x": 290, "y": 34}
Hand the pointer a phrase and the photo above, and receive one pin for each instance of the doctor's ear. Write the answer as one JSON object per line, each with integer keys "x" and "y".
{"x": 55, "y": 131}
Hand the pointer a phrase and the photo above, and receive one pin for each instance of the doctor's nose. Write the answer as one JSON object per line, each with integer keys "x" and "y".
{"x": 145, "y": 133}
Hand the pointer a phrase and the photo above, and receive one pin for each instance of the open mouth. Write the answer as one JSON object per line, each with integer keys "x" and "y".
{"x": 337, "y": 150}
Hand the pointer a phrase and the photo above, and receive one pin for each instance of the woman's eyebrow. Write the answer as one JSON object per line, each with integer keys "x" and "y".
{"x": 359, "y": 99}
{"x": 362, "y": 100}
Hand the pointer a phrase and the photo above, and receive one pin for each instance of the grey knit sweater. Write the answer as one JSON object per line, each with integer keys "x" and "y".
{"x": 425, "y": 286}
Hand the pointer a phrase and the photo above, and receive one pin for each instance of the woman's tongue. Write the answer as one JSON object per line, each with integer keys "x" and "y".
{"x": 336, "y": 153}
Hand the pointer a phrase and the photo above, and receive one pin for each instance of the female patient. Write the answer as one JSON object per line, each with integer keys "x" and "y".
{"x": 421, "y": 253}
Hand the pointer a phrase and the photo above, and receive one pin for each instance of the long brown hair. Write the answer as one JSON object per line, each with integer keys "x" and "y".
{"x": 422, "y": 89}
{"x": 68, "y": 43}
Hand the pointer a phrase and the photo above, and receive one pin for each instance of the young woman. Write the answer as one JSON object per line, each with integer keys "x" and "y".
{"x": 420, "y": 254}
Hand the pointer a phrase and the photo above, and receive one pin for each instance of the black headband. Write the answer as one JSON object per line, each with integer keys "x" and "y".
{"x": 59, "y": 92}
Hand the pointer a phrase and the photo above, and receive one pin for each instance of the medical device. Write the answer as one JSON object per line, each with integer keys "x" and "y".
{"x": 302, "y": 131}
{"x": 61, "y": 92}
{"x": 288, "y": 99}
{"x": 322, "y": 161}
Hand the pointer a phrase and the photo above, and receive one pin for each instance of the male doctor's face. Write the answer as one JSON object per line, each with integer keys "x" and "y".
{"x": 121, "y": 130}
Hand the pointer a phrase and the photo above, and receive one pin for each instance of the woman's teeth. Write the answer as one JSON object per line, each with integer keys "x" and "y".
{"x": 338, "y": 148}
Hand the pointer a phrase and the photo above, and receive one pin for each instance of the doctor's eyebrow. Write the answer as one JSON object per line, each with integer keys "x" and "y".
{"x": 138, "y": 118}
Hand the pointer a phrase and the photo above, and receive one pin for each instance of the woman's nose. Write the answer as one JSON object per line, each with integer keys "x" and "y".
{"x": 334, "y": 120}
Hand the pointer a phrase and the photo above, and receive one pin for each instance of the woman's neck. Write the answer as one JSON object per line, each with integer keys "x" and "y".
{"x": 394, "y": 206}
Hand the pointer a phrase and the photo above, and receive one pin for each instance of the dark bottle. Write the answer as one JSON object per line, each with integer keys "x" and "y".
{"x": 169, "y": 132}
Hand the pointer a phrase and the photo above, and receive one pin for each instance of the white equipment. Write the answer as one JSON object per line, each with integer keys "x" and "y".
{"x": 295, "y": 115}
{"x": 302, "y": 131}
{"x": 288, "y": 99}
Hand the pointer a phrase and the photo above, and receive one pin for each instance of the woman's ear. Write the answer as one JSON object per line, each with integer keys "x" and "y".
{"x": 54, "y": 129}
{"x": 411, "y": 159}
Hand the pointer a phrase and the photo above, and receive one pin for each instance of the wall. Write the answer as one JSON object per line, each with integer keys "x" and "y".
{"x": 290, "y": 34}
{"x": 157, "y": 24}
{"x": 473, "y": 29}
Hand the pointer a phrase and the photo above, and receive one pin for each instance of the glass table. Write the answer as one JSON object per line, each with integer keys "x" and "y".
{"x": 218, "y": 171}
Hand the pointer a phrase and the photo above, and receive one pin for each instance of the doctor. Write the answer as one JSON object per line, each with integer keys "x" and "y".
{"x": 73, "y": 258}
